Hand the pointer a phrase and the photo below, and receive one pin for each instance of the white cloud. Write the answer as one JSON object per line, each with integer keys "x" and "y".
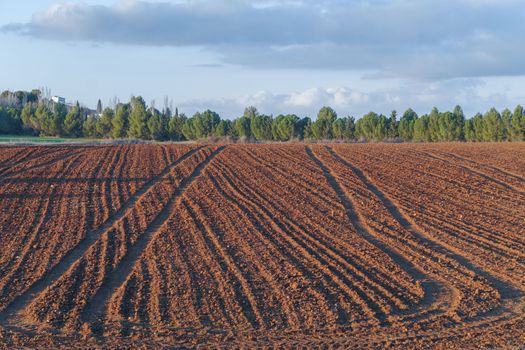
{"x": 336, "y": 97}
{"x": 405, "y": 38}
{"x": 306, "y": 98}
{"x": 420, "y": 96}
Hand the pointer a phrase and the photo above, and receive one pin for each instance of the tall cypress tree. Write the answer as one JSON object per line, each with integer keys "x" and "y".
{"x": 99, "y": 107}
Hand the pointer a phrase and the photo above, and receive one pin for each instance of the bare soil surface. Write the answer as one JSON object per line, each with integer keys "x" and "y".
{"x": 263, "y": 246}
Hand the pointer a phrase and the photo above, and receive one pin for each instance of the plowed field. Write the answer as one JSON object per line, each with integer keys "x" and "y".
{"x": 330, "y": 246}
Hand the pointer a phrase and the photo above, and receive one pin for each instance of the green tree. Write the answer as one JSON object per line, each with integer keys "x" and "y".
{"x": 105, "y": 123}
{"x": 433, "y": 125}
{"x": 39, "y": 117}
{"x": 493, "y": 128}
{"x": 188, "y": 129}
{"x": 351, "y": 127}
{"x": 242, "y": 127}
{"x": 322, "y": 127}
{"x": 371, "y": 127}
{"x": 89, "y": 128}
{"x": 54, "y": 125}
{"x": 421, "y": 130}
{"x": 47, "y": 121}
{"x": 304, "y": 127}
{"x": 478, "y": 126}
{"x": 224, "y": 128}
{"x": 381, "y": 128}
{"x": 21, "y": 98}
{"x": 469, "y": 131}
{"x": 285, "y": 127}
{"x": 34, "y": 96}
{"x": 343, "y": 128}
{"x": 406, "y": 125}
{"x": 120, "y": 122}
{"x": 205, "y": 123}
{"x": 340, "y": 129}
{"x": 450, "y": 126}
{"x": 157, "y": 125}
{"x": 138, "y": 119}
{"x": 393, "y": 126}
{"x": 99, "y": 107}
{"x": 10, "y": 122}
{"x": 459, "y": 123}
{"x": 250, "y": 112}
{"x": 4, "y": 121}
{"x": 518, "y": 124}
{"x": 29, "y": 120}
{"x": 506, "y": 119}
{"x": 261, "y": 127}
{"x": 73, "y": 123}
{"x": 175, "y": 125}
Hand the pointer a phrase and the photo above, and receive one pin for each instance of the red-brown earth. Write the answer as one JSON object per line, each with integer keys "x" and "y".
{"x": 333, "y": 246}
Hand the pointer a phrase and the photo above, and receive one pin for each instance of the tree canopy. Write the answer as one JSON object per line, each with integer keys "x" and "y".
{"x": 29, "y": 113}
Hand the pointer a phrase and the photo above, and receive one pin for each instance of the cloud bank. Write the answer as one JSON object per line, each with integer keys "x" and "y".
{"x": 420, "y": 96}
{"x": 406, "y": 38}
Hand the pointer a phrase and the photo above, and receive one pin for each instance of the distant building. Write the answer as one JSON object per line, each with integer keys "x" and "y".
{"x": 58, "y": 99}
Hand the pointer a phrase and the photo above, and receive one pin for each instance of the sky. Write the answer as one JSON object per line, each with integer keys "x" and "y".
{"x": 281, "y": 56}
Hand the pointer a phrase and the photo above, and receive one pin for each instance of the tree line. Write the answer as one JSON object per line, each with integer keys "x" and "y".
{"x": 29, "y": 114}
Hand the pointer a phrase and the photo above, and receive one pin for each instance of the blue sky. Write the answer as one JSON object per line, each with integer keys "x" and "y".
{"x": 283, "y": 56}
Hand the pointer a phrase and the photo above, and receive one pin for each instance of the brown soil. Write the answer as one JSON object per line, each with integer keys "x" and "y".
{"x": 331, "y": 246}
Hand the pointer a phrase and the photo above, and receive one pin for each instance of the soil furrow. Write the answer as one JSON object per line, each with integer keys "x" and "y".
{"x": 244, "y": 246}
{"x": 349, "y": 263}
{"x": 7, "y": 175}
{"x": 40, "y": 153}
{"x": 289, "y": 250}
{"x": 75, "y": 253}
{"x": 308, "y": 231}
{"x": 307, "y": 185}
{"x": 334, "y": 259}
{"x": 506, "y": 290}
{"x": 18, "y": 158}
{"x": 295, "y": 243}
{"x": 365, "y": 231}
{"x": 396, "y": 246}
{"x": 477, "y": 172}
{"x": 244, "y": 295}
{"x": 483, "y": 165}
{"x": 95, "y": 309}
{"x": 443, "y": 177}
{"x": 43, "y": 217}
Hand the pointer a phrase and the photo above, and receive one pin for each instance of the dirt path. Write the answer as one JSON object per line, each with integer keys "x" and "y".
{"x": 432, "y": 288}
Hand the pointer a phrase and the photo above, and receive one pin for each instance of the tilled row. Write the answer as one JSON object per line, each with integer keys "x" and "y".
{"x": 491, "y": 236}
{"x": 276, "y": 245}
{"x": 62, "y": 303}
{"x": 71, "y": 195}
